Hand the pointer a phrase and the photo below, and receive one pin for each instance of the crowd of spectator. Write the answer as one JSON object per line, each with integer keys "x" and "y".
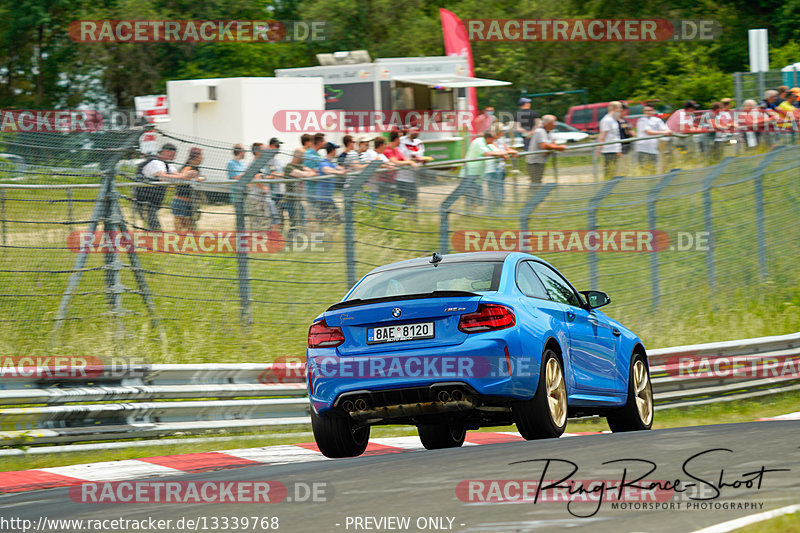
{"x": 317, "y": 165}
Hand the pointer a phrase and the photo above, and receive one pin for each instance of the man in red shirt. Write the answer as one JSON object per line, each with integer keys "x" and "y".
{"x": 404, "y": 177}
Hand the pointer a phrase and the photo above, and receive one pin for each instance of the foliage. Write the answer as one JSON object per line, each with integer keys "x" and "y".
{"x": 41, "y": 67}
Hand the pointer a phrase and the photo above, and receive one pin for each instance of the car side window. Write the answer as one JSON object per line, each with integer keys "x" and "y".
{"x": 557, "y": 287}
{"x": 529, "y": 283}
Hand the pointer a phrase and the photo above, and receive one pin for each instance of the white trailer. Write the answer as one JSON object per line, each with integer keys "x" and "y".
{"x": 238, "y": 110}
{"x": 398, "y": 84}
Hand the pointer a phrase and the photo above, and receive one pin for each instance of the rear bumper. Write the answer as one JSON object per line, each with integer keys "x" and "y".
{"x": 480, "y": 365}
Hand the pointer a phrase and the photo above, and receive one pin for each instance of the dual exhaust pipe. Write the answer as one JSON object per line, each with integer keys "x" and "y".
{"x": 456, "y": 395}
{"x": 359, "y": 404}
{"x": 444, "y": 396}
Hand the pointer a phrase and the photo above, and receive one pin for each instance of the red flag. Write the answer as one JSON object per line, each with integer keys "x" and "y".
{"x": 456, "y": 43}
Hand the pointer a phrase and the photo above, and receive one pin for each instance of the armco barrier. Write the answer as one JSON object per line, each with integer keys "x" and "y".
{"x": 163, "y": 400}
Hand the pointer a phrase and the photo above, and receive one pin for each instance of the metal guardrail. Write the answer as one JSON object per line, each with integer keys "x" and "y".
{"x": 142, "y": 402}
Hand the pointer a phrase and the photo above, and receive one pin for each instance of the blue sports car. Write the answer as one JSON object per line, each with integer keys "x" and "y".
{"x": 462, "y": 341}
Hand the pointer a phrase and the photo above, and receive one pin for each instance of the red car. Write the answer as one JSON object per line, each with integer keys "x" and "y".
{"x": 587, "y": 117}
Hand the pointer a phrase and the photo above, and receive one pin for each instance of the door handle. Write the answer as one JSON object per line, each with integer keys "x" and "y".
{"x": 570, "y": 316}
{"x": 616, "y": 332}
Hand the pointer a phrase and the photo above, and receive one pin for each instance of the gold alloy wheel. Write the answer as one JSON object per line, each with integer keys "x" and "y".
{"x": 643, "y": 392}
{"x": 556, "y": 392}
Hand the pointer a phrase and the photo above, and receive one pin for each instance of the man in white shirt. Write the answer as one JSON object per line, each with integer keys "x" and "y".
{"x": 149, "y": 199}
{"x": 609, "y": 132}
{"x": 411, "y": 146}
{"x": 648, "y": 126}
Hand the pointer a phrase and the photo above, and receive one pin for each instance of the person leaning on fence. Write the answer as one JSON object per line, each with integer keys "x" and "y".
{"x": 649, "y": 126}
{"x": 542, "y": 139}
{"x": 312, "y": 158}
{"x": 278, "y": 190}
{"x": 327, "y": 210}
{"x": 405, "y": 180}
{"x": 386, "y": 178}
{"x": 259, "y": 206}
{"x": 472, "y": 172}
{"x": 496, "y": 168}
{"x": 149, "y": 199}
{"x": 235, "y": 167}
{"x": 609, "y": 132}
{"x": 366, "y": 155}
{"x": 295, "y": 191}
{"x": 184, "y": 204}
{"x": 350, "y": 158}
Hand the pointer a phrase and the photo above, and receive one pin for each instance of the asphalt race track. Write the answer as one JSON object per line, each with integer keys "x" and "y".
{"x": 422, "y": 485}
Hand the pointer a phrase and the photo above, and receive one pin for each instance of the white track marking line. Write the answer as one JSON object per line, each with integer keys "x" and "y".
{"x": 277, "y": 454}
{"x": 730, "y": 525}
{"x": 113, "y": 470}
{"x": 406, "y": 443}
{"x": 790, "y": 416}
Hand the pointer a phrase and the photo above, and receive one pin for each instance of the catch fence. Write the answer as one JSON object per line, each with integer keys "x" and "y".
{"x": 663, "y": 246}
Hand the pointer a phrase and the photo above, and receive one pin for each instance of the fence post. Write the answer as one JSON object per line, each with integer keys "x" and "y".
{"x": 758, "y": 185}
{"x": 69, "y": 205}
{"x": 555, "y": 167}
{"x": 652, "y": 219}
{"x": 239, "y": 192}
{"x": 594, "y": 205}
{"x": 352, "y": 186}
{"x": 708, "y": 220}
{"x": 3, "y": 212}
{"x": 533, "y": 202}
{"x": 444, "y": 231}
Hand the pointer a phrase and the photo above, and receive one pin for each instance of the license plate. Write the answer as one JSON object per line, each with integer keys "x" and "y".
{"x": 405, "y": 332}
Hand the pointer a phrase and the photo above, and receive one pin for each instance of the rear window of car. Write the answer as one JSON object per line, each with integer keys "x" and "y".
{"x": 422, "y": 279}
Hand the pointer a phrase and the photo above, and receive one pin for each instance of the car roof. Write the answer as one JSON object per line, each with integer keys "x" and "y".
{"x": 447, "y": 258}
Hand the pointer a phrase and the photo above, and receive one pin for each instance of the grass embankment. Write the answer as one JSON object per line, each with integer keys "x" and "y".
{"x": 704, "y": 294}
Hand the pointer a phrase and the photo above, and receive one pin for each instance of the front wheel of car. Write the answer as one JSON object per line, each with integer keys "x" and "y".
{"x": 637, "y": 413}
{"x": 545, "y": 415}
{"x": 338, "y": 436}
{"x": 438, "y": 436}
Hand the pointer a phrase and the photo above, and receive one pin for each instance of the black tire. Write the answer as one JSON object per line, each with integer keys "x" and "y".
{"x": 633, "y": 415}
{"x": 534, "y": 418}
{"x": 438, "y": 436}
{"x": 337, "y": 436}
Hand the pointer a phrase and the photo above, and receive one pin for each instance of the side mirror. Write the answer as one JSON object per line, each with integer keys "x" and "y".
{"x": 596, "y": 299}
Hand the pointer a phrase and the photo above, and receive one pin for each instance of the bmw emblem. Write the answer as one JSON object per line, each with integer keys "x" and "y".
{"x": 396, "y": 312}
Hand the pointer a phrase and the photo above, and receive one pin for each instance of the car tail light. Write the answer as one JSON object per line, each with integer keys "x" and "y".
{"x": 321, "y": 335}
{"x": 488, "y": 317}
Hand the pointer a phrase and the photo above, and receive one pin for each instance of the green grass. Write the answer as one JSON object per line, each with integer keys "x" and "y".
{"x": 197, "y": 298}
{"x": 722, "y": 413}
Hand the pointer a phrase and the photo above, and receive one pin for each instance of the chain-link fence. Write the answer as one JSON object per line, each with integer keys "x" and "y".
{"x": 93, "y": 258}
{"x": 753, "y": 84}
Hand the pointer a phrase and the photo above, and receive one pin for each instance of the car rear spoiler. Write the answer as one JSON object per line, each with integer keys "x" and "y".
{"x": 384, "y": 299}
